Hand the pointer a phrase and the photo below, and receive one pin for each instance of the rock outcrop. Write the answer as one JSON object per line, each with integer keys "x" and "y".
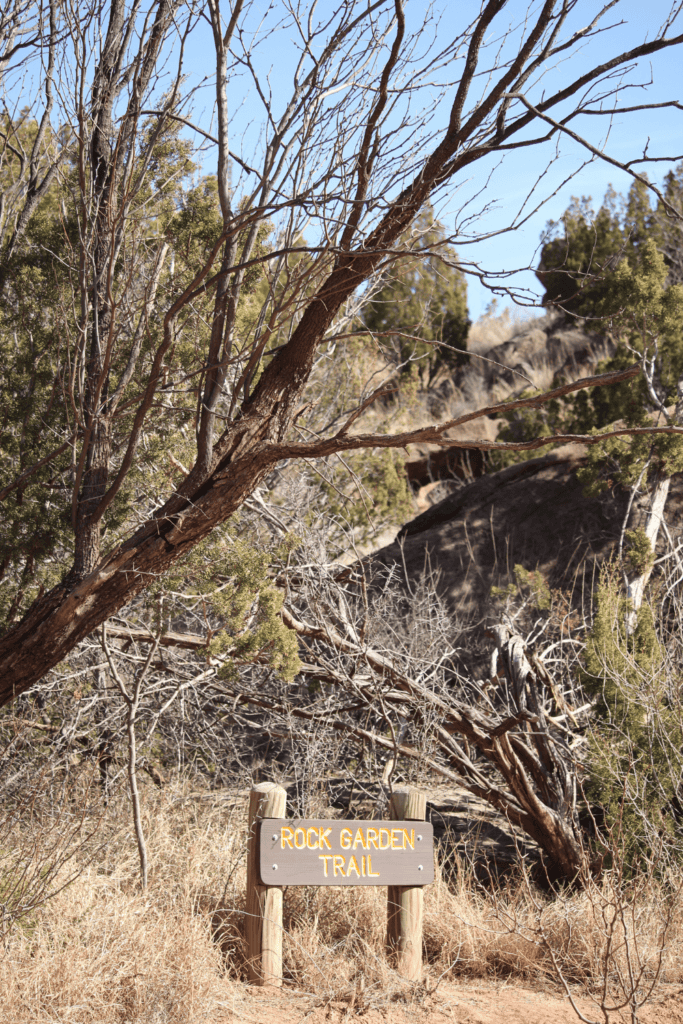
{"x": 534, "y": 356}
{"x": 534, "y": 514}
{"x": 550, "y": 346}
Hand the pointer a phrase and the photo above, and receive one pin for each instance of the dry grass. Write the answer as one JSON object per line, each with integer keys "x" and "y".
{"x": 103, "y": 955}
{"x": 334, "y": 941}
{"x": 103, "y": 952}
{"x": 493, "y": 328}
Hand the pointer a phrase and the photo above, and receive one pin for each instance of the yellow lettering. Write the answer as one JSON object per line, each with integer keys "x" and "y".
{"x": 362, "y": 866}
{"x": 286, "y": 835}
{"x": 359, "y": 840}
{"x": 372, "y": 838}
{"x": 409, "y": 841}
{"x": 325, "y": 857}
{"x": 345, "y": 839}
{"x": 337, "y": 866}
{"x": 353, "y": 866}
{"x": 324, "y": 833}
{"x": 300, "y": 832}
{"x": 315, "y": 845}
{"x": 382, "y": 832}
{"x": 371, "y": 873}
{"x": 397, "y": 838}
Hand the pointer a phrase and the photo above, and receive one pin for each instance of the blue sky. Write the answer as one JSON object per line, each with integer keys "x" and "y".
{"x": 628, "y": 135}
{"x": 511, "y": 182}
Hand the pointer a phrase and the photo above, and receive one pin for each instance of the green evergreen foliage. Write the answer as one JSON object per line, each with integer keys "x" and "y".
{"x": 582, "y": 250}
{"x": 635, "y": 302}
{"x": 367, "y": 491}
{"x": 249, "y": 609}
{"x": 652, "y": 323}
{"x": 34, "y": 352}
{"x": 35, "y": 340}
{"x": 630, "y": 774}
{"x": 424, "y": 297}
{"x": 632, "y": 298}
{"x": 525, "y": 424}
{"x": 639, "y": 554}
{"x": 613, "y": 270}
{"x": 530, "y": 585}
{"x": 233, "y": 579}
{"x": 42, "y": 328}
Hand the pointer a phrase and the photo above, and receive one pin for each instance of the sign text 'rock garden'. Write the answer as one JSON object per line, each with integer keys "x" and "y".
{"x": 333, "y": 852}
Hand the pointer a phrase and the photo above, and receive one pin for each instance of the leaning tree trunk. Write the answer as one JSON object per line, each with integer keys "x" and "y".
{"x": 229, "y": 467}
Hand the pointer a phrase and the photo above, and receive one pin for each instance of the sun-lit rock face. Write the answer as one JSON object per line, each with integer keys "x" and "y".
{"x": 552, "y": 345}
{"x": 533, "y": 355}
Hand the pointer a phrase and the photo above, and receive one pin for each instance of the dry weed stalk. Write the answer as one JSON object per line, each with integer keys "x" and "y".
{"x": 615, "y": 935}
{"x": 44, "y": 842}
{"x": 132, "y": 701}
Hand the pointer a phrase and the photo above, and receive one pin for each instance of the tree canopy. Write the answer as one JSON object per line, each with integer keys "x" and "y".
{"x": 168, "y": 336}
{"x": 614, "y": 270}
{"x": 423, "y": 300}
{"x": 581, "y": 251}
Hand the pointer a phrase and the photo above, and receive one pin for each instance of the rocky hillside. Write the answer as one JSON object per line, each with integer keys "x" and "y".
{"x": 475, "y": 526}
{"x": 531, "y": 355}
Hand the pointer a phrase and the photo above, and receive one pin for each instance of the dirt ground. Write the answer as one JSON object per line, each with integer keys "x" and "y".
{"x": 475, "y": 1003}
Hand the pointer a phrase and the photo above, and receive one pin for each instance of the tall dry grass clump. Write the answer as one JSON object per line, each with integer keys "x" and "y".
{"x": 102, "y": 951}
{"x": 334, "y": 941}
{"x": 494, "y": 328}
{"x": 104, "y": 955}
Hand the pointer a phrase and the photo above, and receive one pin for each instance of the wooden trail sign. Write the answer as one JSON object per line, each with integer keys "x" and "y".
{"x": 333, "y": 852}
{"x": 398, "y": 853}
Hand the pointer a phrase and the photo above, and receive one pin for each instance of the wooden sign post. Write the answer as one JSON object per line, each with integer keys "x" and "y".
{"x": 264, "y": 902}
{"x": 398, "y": 853}
{"x": 404, "y": 902}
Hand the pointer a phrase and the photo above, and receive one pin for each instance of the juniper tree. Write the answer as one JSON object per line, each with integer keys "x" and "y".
{"x": 423, "y": 300}
{"x": 152, "y": 360}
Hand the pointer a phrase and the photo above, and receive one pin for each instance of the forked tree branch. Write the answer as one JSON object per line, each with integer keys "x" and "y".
{"x": 335, "y": 148}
